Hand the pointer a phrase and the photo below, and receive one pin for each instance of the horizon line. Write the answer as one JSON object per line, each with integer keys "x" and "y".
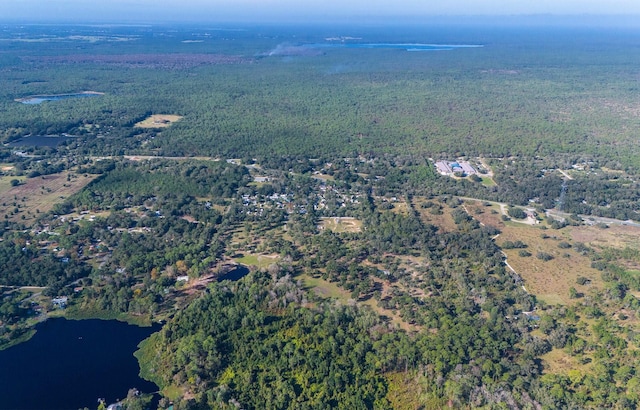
{"x": 353, "y": 19}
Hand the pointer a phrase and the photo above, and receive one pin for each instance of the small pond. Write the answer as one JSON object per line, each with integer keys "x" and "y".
{"x": 237, "y": 273}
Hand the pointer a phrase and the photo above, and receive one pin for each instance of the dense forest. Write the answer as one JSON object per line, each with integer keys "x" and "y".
{"x": 511, "y": 97}
{"x": 374, "y": 282}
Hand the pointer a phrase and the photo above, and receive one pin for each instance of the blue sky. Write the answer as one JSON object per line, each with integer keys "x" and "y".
{"x": 291, "y": 10}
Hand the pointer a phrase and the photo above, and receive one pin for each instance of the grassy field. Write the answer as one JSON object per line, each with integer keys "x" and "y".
{"x": 323, "y": 177}
{"x": 325, "y": 288}
{"x": 5, "y": 182}
{"x": 38, "y": 195}
{"x": 400, "y": 207}
{"x": 329, "y": 290}
{"x": 259, "y": 261}
{"x": 551, "y": 280}
{"x": 489, "y": 182}
{"x": 558, "y": 361}
{"x": 158, "y": 121}
{"x": 172, "y": 392}
{"x": 614, "y": 236}
{"x": 442, "y": 220}
{"x": 548, "y": 280}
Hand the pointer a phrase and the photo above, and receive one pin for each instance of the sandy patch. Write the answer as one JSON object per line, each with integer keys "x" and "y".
{"x": 158, "y": 121}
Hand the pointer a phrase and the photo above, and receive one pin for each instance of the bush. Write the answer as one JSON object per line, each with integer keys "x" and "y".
{"x": 556, "y": 224}
{"x": 514, "y": 245}
{"x": 544, "y": 256}
{"x": 581, "y": 248}
{"x": 516, "y": 213}
{"x": 524, "y": 253}
{"x": 582, "y": 280}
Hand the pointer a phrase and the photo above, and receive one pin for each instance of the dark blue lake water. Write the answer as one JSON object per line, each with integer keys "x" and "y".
{"x": 69, "y": 364}
{"x": 37, "y": 99}
{"x": 40, "y": 141}
{"x": 401, "y": 46}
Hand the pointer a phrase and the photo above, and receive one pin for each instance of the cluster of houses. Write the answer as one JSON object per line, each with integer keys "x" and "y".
{"x": 329, "y": 196}
{"x": 255, "y": 206}
{"x": 326, "y": 197}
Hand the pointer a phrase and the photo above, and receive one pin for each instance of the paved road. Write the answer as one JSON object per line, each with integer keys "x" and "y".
{"x": 587, "y": 219}
{"x": 591, "y": 220}
{"x": 503, "y": 209}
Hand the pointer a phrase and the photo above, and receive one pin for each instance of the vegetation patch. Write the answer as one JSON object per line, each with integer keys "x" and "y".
{"x": 403, "y": 392}
{"x": 82, "y": 313}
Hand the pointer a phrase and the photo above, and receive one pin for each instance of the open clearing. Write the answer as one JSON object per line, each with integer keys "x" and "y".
{"x": 341, "y": 224}
{"x": 330, "y": 290}
{"x": 438, "y": 214}
{"x": 40, "y": 194}
{"x": 259, "y": 261}
{"x": 549, "y": 280}
{"x": 488, "y": 181}
{"x": 615, "y": 236}
{"x": 557, "y": 361}
{"x": 5, "y": 182}
{"x": 158, "y": 121}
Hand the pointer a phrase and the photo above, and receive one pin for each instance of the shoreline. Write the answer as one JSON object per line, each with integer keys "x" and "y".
{"x": 46, "y": 96}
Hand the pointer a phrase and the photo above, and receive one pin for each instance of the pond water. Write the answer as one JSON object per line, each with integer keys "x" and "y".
{"x": 40, "y": 141}
{"x": 236, "y": 274}
{"x": 37, "y": 99}
{"x": 69, "y": 364}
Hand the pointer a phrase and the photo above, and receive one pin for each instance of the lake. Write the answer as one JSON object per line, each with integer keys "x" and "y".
{"x": 37, "y": 99}
{"x": 400, "y": 46}
{"x": 69, "y": 364}
{"x": 40, "y": 141}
